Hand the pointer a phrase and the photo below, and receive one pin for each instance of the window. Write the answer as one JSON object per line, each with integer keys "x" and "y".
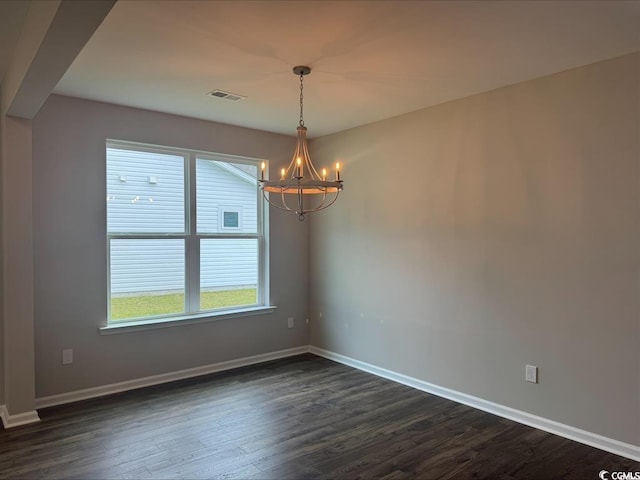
{"x": 230, "y": 218}
{"x": 185, "y": 233}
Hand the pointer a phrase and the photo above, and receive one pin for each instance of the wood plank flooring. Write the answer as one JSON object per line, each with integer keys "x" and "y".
{"x": 301, "y": 418}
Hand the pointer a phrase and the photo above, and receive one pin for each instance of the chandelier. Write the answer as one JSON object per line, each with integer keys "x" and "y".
{"x": 300, "y": 179}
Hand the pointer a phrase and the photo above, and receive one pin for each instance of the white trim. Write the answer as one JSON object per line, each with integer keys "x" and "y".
{"x": 203, "y": 317}
{"x": 567, "y": 431}
{"x": 102, "y": 390}
{"x": 24, "y": 418}
{"x": 611, "y": 445}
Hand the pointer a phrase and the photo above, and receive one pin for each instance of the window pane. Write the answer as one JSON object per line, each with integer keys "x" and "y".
{"x": 145, "y": 192}
{"x": 147, "y": 277}
{"x": 231, "y": 220}
{"x": 228, "y": 273}
{"x": 224, "y": 188}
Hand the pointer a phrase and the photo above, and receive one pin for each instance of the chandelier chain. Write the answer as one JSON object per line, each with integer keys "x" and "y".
{"x": 301, "y": 101}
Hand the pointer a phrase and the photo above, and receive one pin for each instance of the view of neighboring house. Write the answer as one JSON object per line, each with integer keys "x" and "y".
{"x": 146, "y": 195}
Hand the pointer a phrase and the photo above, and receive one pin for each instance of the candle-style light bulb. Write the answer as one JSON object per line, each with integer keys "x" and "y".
{"x": 299, "y": 163}
{"x": 282, "y": 173}
{"x": 338, "y": 171}
{"x": 262, "y": 169}
{"x": 324, "y": 174}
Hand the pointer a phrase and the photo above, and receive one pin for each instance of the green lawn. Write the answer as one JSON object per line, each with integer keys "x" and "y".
{"x": 125, "y": 308}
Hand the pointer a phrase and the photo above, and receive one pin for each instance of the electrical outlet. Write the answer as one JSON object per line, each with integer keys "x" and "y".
{"x": 531, "y": 374}
{"x": 290, "y": 322}
{"x": 67, "y": 356}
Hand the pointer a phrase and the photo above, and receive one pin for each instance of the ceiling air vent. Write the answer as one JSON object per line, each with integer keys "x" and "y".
{"x": 234, "y": 97}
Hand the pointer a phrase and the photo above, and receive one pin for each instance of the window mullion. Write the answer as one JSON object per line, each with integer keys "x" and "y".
{"x": 263, "y": 265}
{"x": 142, "y": 236}
{"x": 108, "y": 278}
{"x": 193, "y": 242}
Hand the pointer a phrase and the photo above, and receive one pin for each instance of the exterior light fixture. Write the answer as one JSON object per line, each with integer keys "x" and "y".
{"x": 301, "y": 178}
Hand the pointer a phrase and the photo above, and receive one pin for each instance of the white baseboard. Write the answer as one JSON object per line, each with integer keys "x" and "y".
{"x": 10, "y": 421}
{"x": 588, "y": 438}
{"x": 102, "y": 390}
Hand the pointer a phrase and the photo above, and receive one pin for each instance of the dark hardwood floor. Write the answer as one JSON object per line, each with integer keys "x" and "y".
{"x": 302, "y": 417}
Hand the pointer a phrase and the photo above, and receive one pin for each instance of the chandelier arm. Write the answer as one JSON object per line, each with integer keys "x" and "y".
{"x": 290, "y": 172}
{"x": 300, "y": 201}
{"x": 324, "y": 198}
{"x": 312, "y": 168}
{"x": 285, "y": 208}
{"x": 322, "y": 207}
{"x": 300, "y": 153}
{"x": 284, "y": 201}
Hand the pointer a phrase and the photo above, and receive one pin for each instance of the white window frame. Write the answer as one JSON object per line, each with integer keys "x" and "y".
{"x": 192, "y": 239}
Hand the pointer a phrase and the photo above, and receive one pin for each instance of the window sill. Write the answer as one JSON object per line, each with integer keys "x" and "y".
{"x": 152, "y": 324}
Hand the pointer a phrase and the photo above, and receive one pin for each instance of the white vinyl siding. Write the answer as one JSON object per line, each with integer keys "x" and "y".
{"x": 228, "y": 263}
{"x": 145, "y": 192}
{"x": 147, "y": 265}
{"x": 220, "y": 185}
{"x": 136, "y": 204}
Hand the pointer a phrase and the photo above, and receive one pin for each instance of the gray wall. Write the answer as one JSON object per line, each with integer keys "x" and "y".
{"x": 70, "y": 251}
{"x": 1, "y": 352}
{"x": 2, "y": 149}
{"x": 480, "y": 235}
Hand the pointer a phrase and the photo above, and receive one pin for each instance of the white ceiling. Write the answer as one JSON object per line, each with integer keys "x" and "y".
{"x": 370, "y": 60}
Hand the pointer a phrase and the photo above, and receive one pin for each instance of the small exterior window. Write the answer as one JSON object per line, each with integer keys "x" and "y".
{"x": 230, "y": 218}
